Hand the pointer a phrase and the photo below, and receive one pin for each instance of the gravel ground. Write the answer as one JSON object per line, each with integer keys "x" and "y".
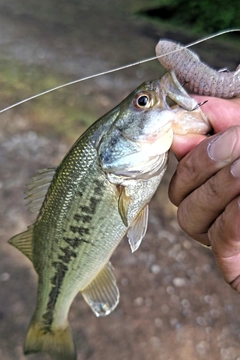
{"x": 174, "y": 303}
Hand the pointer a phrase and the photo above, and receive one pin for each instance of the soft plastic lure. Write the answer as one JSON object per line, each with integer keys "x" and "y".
{"x": 199, "y": 77}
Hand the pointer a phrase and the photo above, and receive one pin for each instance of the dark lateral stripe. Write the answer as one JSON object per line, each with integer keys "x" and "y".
{"x": 91, "y": 209}
{"x": 76, "y": 242}
{"x": 56, "y": 281}
{"x": 80, "y": 230}
{"x": 83, "y": 218}
{"x": 98, "y": 190}
{"x": 68, "y": 254}
{"x": 98, "y": 183}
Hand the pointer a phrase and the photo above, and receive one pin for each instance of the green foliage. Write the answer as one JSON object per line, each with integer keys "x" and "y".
{"x": 205, "y": 15}
{"x": 208, "y": 15}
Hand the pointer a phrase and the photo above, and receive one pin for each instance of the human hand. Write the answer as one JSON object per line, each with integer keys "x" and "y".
{"x": 221, "y": 113}
{"x": 206, "y": 186}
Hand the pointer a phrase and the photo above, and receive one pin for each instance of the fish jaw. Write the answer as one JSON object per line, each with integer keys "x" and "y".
{"x": 188, "y": 116}
{"x": 190, "y": 122}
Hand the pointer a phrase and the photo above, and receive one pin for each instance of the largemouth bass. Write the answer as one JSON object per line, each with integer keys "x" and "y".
{"x": 98, "y": 193}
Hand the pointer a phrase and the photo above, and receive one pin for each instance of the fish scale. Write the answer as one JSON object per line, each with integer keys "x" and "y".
{"x": 98, "y": 193}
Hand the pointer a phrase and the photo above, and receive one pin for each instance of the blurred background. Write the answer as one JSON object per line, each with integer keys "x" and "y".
{"x": 174, "y": 303}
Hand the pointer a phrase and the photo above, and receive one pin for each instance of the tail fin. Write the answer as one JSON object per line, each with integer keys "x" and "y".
{"x": 58, "y": 343}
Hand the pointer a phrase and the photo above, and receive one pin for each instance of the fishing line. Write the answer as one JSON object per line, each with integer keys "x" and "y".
{"x": 117, "y": 69}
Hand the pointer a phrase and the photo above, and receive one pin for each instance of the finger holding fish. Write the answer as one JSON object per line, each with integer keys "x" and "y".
{"x": 208, "y": 201}
{"x": 222, "y": 114}
{"x": 204, "y": 188}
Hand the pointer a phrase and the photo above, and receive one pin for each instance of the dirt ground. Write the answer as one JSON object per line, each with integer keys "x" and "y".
{"x": 174, "y": 303}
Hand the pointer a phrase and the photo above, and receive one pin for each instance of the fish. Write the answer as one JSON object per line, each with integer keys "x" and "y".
{"x": 98, "y": 194}
{"x": 199, "y": 77}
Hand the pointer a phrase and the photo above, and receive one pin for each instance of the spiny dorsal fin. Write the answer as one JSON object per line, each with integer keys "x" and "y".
{"x": 38, "y": 187}
{"x": 23, "y": 242}
{"x": 138, "y": 229}
{"x": 102, "y": 294}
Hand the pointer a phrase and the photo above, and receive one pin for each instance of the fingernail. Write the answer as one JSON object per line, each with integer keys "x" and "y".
{"x": 220, "y": 149}
{"x": 235, "y": 168}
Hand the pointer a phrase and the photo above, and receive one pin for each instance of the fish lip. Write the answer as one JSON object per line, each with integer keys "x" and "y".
{"x": 197, "y": 122}
{"x": 202, "y": 121}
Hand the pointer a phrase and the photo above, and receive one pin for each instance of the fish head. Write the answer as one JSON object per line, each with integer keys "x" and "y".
{"x": 136, "y": 144}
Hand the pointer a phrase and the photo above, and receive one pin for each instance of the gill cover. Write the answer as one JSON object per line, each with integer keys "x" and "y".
{"x": 134, "y": 145}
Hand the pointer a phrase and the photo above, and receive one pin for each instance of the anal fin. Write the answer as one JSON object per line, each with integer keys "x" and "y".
{"x": 102, "y": 294}
{"x": 138, "y": 229}
{"x": 23, "y": 242}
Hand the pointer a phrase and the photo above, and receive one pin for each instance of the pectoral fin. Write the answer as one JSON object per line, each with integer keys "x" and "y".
{"x": 23, "y": 242}
{"x": 138, "y": 229}
{"x": 102, "y": 294}
{"x": 123, "y": 205}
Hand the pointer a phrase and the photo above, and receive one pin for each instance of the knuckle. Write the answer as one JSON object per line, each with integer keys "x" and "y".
{"x": 183, "y": 180}
{"x": 194, "y": 216}
{"x": 191, "y": 169}
{"x": 212, "y": 189}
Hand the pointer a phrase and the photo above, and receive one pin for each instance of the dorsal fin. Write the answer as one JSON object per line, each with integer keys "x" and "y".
{"x": 38, "y": 187}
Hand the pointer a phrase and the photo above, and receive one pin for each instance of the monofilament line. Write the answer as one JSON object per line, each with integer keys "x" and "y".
{"x": 116, "y": 69}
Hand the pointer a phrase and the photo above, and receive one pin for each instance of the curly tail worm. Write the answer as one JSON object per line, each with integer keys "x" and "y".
{"x": 199, "y": 77}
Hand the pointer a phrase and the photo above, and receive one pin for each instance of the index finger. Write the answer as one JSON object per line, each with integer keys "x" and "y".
{"x": 203, "y": 162}
{"x": 221, "y": 113}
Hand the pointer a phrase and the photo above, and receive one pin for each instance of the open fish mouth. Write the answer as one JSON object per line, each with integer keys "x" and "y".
{"x": 188, "y": 116}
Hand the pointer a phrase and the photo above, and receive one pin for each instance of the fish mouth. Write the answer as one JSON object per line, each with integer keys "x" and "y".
{"x": 188, "y": 117}
{"x": 190, "y": 122}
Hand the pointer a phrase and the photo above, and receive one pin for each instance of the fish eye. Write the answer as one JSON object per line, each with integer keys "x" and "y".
{"x": 142, "y": 101}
